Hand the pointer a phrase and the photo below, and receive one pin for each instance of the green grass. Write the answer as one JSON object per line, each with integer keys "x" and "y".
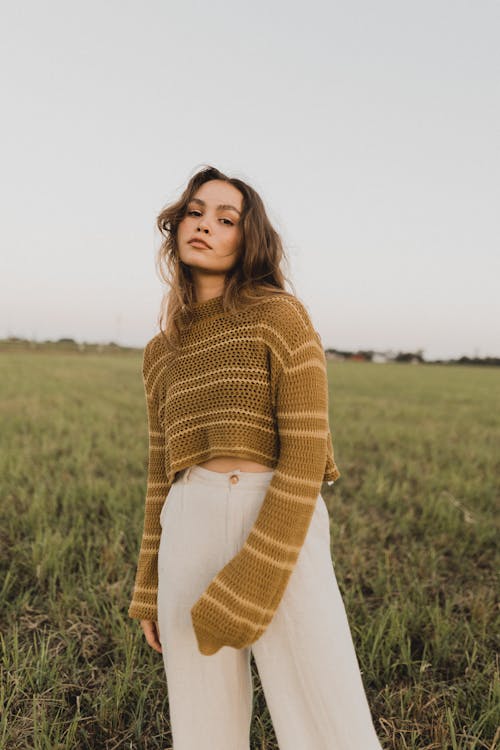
{"x": 413, "y": 521}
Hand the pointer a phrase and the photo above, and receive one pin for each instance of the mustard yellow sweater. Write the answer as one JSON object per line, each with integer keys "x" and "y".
{"x": 250, "y": 384}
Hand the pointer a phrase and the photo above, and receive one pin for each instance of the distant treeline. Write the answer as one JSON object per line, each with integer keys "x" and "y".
{"x": 413, "y": 358}
{"x": 14, "y": 343}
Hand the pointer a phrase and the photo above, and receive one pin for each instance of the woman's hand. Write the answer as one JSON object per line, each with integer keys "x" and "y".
{"x": 152, "y": 633}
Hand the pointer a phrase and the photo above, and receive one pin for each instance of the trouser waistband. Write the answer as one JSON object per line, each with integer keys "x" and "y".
{"x": 236, "y": 477}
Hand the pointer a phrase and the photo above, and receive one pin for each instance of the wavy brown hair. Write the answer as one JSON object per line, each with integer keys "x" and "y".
{"x": 256, "y": 273}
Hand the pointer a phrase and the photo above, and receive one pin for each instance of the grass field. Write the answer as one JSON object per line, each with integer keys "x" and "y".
{"x": 414, "y": 525}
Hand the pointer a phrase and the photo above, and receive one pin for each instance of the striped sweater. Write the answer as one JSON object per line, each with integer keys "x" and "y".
{"x": 250, "y": 384}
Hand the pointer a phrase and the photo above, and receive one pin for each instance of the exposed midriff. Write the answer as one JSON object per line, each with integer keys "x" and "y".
{"x": 230, "y": 463}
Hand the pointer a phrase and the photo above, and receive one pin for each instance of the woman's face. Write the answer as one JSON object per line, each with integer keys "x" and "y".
{"x": 213, "y": 216}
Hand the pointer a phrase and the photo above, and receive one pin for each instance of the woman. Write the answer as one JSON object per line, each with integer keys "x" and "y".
{"x": 235, "y": 554}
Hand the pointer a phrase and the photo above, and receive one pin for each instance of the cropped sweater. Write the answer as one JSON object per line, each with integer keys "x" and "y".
{"x": 250, "y": 384}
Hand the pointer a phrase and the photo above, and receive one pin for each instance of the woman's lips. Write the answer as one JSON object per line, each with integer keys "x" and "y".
{"x": 199, "y": 243}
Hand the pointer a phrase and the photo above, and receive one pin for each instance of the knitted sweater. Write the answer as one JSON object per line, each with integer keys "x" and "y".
{"x": 250, "y": 384}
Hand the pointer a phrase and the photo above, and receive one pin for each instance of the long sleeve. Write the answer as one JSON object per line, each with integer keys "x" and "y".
{"x": 143, "y": 605}
{"x": 241, "y": 600}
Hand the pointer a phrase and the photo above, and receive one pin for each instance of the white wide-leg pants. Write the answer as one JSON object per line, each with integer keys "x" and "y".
{"x": 306, "y": 658}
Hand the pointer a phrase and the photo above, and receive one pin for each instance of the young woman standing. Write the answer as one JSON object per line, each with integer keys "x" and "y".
{"x": 235, "y": 555}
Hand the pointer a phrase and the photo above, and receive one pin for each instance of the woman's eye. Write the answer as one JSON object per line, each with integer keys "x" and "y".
{"x": 195, "y": 212}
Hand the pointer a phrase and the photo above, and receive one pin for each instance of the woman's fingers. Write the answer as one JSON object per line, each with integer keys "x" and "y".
{"x": 152, "y": 633}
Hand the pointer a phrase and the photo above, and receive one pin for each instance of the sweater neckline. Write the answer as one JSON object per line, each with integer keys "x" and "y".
{"x": 208, "y": 307}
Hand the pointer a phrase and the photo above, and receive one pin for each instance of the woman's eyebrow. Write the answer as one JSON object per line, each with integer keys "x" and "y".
{"x": 222, "y": 206}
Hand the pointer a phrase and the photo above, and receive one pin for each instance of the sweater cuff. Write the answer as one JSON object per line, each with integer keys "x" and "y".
{"x": 138, "y": 611}
{"x": 208, "y": 642}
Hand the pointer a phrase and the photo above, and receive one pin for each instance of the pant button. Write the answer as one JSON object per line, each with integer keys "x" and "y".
{"x": 234, "y": 479}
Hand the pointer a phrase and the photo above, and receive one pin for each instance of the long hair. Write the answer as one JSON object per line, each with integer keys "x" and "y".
{"x": 256, "y": 273}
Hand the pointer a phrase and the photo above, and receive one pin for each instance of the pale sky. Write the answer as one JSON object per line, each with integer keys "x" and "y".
{"x": 370, "y": 129}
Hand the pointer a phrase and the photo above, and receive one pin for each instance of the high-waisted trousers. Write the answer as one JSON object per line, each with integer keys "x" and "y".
{"x": 306, "y": 659}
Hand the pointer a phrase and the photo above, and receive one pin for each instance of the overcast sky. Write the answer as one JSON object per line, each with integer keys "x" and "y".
{"x": 370, "y": 129}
